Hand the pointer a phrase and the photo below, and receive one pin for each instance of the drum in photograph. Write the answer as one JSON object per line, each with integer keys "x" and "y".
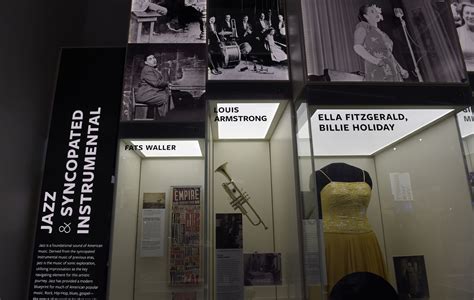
{"x": 231, "y": 53}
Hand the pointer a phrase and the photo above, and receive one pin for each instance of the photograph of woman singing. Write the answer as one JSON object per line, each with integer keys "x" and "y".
{"x": 375, "y": 47}
{"x": 382, "y": 41}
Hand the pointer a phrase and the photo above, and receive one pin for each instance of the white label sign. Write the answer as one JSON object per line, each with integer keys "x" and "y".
{"x": 364, "y": 132}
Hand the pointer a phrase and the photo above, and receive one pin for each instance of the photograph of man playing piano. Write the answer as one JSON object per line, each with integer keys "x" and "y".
{"x": 164, "y": 82}
{"x": 167, "y": 21}
{"x": 247, "y": 40}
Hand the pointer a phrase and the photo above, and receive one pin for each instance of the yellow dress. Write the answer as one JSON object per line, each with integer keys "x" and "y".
{"x": 350, "y": 244}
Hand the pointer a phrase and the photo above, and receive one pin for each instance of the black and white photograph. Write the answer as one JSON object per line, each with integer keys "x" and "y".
{"x": 164, "y": 82}
{"x": 262, "y": 269}
{"x": 167, "y": 21}
{"x": 412, "y": 282}
{"x": 388, "y": 41}
{"x": 229, "y": 231}
{"x": 463, "y": 14}
{"x": 247, "y": 40}
{"x": 154, "y": 200}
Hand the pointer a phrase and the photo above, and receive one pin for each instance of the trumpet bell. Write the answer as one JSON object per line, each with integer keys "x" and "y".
{"x": 222, "y": 169}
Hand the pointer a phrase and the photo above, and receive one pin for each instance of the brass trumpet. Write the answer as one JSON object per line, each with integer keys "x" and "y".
{"x": 239, "y": 197}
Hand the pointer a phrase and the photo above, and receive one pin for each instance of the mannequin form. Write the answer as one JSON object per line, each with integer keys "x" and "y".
{"x": 340, "y": 172}
{"x": 351, "y": 246}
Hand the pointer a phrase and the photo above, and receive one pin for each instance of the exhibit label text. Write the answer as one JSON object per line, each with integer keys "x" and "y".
{"x": 335, "y": 122}
{"x": 79, "y": 173}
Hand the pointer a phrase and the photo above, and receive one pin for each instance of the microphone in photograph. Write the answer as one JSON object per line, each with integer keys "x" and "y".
{"x": 400, "y": 14}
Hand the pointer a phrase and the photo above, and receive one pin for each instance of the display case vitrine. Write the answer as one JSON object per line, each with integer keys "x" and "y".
{"x": 159, "y": 239}
{"x": 388, "y": 191}
{"x": 220, "y": 222}
{"x": 251, "y": 158}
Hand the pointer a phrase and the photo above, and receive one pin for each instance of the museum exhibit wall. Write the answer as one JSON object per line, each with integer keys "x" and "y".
{"x": 265, "y": 170}
{"x": 124, "y": 226}
{"x": 44, "y": 28}
{"x": 438, "y": 223}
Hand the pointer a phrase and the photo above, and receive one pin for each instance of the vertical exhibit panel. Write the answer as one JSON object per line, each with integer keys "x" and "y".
{"x": 72, "y": 236}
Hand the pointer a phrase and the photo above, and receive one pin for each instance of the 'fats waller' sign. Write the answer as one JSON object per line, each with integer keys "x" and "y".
{"x": 73, "y": 225}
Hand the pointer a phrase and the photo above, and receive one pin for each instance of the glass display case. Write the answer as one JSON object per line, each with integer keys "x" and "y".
{"x": 252, "y": 174}
{"x": 159, "y": 235}
{"x": 210, "y": 219}
{"x": 386, "y": 191}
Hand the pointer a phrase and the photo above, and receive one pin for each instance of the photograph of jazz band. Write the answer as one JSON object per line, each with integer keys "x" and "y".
{"x": 463, "y": 13}
{"x": 167, "y": 21}
{"x": 382, "y": 41}
{"x": 164, "y": 82}
{"x": 247, "y": 40}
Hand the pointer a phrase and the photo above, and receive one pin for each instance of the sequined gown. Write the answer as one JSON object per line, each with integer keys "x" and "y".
{"x": 350, "y": 244}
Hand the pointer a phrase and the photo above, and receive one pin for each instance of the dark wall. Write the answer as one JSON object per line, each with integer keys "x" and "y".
{"x": 32, "y": 34}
